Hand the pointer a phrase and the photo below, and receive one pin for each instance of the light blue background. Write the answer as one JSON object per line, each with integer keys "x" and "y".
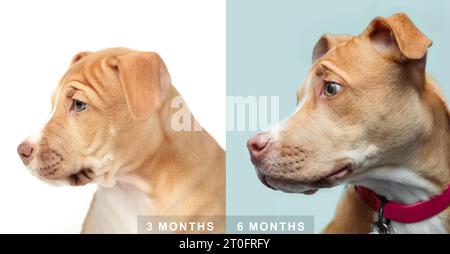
{"x": 269, "y": 46}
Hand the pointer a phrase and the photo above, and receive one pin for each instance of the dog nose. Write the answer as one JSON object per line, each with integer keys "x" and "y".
{"x": 258, "y": 146}
{"x": 25, "y": 149}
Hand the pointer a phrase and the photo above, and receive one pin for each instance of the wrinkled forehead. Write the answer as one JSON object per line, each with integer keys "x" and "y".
{"x": 92, "y": 64}
{"x": 83, "y": 72}
{"x": 91, "y": 71}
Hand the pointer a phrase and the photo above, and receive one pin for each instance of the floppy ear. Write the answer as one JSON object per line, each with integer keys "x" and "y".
{"x": 398, "y": 37}
{"x": 327, "y": 42}
{"x": 144, "y": 79}
{"x": 79, "y": 56}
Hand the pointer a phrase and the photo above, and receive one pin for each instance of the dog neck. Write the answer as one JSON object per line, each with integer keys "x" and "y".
{"x": 177, "y": 159}
{"x": 427, "y": 172}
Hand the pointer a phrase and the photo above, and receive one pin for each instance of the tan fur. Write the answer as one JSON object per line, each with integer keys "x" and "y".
{"x": 388, "y": 114}
{"x": 353, "y": 216}
{"x": 126, "y": 133}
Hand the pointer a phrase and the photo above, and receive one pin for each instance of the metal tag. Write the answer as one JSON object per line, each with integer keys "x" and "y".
{"x": 382, "y": 225}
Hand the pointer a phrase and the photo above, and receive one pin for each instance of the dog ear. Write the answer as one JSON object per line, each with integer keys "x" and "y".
{"x": 327, "y": 42}
{"x": 398, "y": 37}
{"x": 144, "y": 79}
{"x": 79, "y": 56}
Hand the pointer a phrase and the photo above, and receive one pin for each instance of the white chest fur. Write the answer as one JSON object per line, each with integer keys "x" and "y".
{"x": 429, "y": 226}
{"x": 116, "y": 209}
{"x": 402, "y": 185}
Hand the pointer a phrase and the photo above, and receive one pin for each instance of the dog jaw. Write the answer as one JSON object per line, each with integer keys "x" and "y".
{"x": 291, "y": 171}
{"x": 54, "y": 167}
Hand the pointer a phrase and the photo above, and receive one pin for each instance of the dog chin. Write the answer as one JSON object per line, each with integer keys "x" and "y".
{"x": 286, "y": 185}
{"x": 296, "y": 186}
{"x": 296, "y": 189}
{"x": 79, "y": 178}
{"x": 337, "y": 176}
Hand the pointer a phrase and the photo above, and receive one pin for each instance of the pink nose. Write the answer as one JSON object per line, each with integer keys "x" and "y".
{"x": 258, "y": 146}
{"x": 25, "y": 150}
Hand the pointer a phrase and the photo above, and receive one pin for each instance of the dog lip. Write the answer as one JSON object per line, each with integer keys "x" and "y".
{"x": 341, "y": 172}
{"x": 81, "y": 177}
{"x": 263, "y": 179}
{"x": 310, "y": 192}
{"x": 266, "y": 180}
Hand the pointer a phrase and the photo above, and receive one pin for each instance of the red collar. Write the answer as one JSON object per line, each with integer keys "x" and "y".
{"x": 406, "y": 213}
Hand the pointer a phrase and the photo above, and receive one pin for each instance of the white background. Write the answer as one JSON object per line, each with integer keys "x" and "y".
{"x": 37, "y": 41}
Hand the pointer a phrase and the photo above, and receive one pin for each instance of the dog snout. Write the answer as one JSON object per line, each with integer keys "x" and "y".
{"x": 258, "y": 146}
{"x": 25, "y": 150}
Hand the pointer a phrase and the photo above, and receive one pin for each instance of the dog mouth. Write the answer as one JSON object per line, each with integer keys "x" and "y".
{"x": 81, "y": 177}
{"x": 341, "y": 173}
{"x": 337, "y": 175}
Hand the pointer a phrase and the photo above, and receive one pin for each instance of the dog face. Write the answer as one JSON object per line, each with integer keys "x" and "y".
{"x": 103, "y": 102}
{"x": 358, "y": 107}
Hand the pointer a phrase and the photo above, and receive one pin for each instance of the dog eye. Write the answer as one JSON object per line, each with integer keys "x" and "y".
{"x": 331, "y": 88}
{"x": 78, "y": 106}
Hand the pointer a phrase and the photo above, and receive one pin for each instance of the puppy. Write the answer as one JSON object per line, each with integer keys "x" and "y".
{"x": 116, "y": 121}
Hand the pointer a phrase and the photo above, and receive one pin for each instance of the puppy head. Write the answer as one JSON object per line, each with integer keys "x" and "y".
{"x": 358, "y": 106}
{"x": 101, "y": 108}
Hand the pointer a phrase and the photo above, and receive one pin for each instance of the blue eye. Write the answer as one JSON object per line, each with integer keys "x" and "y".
{"x": 78, "y": 106}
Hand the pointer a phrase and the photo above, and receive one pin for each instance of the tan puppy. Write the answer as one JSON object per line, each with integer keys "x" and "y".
{"x": 368, "y": 114}
{"x": 114, "y": 122}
